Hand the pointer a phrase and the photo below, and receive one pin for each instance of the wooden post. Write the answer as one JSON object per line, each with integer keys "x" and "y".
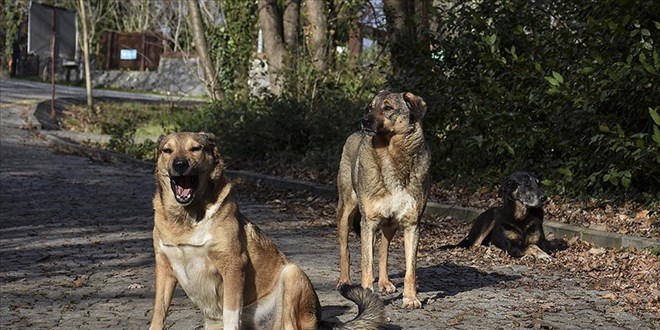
{"x": 143, "y": 51}
{"x": 108, "y": 51}
{"x": 53, "y": 54}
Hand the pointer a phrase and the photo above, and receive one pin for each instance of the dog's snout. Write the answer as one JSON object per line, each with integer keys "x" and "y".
{"x": 180, "y": 165}
{"x": 367, "y": 121}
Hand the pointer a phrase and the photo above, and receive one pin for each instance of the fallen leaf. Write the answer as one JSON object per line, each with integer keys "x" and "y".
{"x": 642, "y": 214}
{"x": 631, "y": 298}
{"x": 610, "y": 296}
{"x": 77, "y": 282}
{"x": 597, "y": 251}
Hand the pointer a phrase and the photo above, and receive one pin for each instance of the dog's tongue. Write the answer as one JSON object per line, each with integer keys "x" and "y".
{"x": 183, "y": 184}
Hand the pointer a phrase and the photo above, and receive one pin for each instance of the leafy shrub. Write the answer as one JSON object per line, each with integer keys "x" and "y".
{"x": 562, "y": 88}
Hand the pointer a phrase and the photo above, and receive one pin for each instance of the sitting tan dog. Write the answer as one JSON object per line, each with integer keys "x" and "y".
{"x": 225, "y": 264}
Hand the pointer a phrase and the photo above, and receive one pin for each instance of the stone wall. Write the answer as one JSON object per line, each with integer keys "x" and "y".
{"x": 175, "y": 76}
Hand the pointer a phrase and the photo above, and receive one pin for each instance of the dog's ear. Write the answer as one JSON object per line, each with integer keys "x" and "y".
{"x": 159, "y": 146}
{"x": 416, "y": 104}
{"x": 209, "y": 139}
{"x": 211, "y": 145}
{"x": 507, "y": 188}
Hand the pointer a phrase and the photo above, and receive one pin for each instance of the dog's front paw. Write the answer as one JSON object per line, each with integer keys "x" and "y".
{"x": 386, "y": 287}
{"x": 538, "y": 254}
{"x": 411, "y": 303}
{"x": 343, "y": 282}
{"x": 543, "y": 257}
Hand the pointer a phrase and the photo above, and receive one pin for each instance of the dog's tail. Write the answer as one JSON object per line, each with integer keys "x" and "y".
{"x": 371, "y": 310}
{"x": 465, "y": 243}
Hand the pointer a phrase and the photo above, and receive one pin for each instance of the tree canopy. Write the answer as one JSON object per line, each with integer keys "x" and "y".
{"x": 567, "y": 89}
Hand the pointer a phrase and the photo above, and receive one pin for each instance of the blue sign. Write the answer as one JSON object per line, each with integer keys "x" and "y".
{"x": 128, "y": 54}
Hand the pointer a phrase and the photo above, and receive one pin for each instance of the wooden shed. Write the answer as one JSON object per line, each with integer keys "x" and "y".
{"x": 129, "y": 51}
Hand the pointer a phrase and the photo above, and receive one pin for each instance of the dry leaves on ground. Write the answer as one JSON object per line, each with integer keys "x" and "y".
{"x": 629, "y": 278}
{"x": 628, "y": 219}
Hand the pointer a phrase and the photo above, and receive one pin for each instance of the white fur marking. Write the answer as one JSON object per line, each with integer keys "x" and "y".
{"x": 264, "y": 312}
{"x": 395, "y": 205}
{"x": 399, "y": 202}
{"x": 194, "y": 270}
{"x": 231, "y": 319}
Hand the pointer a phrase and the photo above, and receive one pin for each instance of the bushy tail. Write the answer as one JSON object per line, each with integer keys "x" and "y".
{"x": 465, "y": 243}
{"x": 371, "y": 311}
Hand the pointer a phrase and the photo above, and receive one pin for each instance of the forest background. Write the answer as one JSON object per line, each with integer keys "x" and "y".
{"x": 567, "y": 89}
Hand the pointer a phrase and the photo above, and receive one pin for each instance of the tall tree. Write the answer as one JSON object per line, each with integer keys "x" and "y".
{"x": 291, "y": 24}
{"x": 82, "y": 9}
{"x": 317, "y": 33}
{"x": 211, "y": 80}
{"x": 407, "y": 31}
{"x": 272, "y": 29}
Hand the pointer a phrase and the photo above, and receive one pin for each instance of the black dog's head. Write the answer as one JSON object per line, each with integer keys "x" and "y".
{"x": 393, "y": 113}
{"x": 524, "y": 188}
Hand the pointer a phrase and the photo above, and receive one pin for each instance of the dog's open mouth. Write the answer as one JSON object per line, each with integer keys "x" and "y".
{"x": 184, "y": 188}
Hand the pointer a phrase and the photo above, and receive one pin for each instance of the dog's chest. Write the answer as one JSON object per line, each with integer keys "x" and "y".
{"x": 398, "y": 201}
{"x": 396, "y": 204}
{"x": 195, "y": 271}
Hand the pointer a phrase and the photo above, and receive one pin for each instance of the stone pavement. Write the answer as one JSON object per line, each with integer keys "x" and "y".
{"x": 75, "y": 253}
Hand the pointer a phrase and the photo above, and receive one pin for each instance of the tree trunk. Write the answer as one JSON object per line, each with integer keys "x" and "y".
{"x": 291, "y": 24}
{"x": 271, "y": 27}
{"x": 317, "y": 17}
{"x": 407, "y": 30}
{"x": 203, "y": 52}
{"x": 85, "y": 46}
{"x": 354, "y": 43}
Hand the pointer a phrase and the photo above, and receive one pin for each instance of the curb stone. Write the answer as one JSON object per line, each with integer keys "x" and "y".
{"x": 598, "y": 238}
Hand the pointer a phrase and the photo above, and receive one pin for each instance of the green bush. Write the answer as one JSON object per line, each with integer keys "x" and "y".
{"x": 566, "y": 89}
{"x": 561, "y": 88}
{"x": 307, "y": 135}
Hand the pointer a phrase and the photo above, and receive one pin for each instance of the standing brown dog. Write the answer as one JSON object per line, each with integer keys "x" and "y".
{"x": 383, "y": 182}
{"x": 226, "y": 265}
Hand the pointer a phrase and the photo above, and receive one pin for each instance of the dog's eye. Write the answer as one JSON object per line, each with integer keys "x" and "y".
{"x": 195, "y": 149}
{"x": 389, "y": 108}
{"x": 167, "y": 150}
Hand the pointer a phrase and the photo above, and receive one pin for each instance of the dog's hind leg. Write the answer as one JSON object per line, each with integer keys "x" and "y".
{"x": 481, "y": 229}
{"x": 299, "y": 305}
{"x": 384, "y": 283}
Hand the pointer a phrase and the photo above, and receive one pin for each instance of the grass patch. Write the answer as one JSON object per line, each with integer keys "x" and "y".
{"x": 133, "y": 126}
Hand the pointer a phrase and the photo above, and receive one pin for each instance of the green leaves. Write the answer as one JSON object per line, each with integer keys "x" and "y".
{"x": 656, "y": 126}
{"x": 556, "y": 79}
{"x": 570, "y": 99}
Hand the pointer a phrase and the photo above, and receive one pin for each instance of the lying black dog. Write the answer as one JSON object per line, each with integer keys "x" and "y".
{"x": 517, "y": 225}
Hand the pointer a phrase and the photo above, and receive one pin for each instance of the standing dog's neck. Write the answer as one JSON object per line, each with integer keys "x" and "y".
{"x": 407, "y": 143}
{"x": 400, "y": 149}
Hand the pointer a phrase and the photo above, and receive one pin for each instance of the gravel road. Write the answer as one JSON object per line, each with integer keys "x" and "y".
{"x": 76, "y": 253}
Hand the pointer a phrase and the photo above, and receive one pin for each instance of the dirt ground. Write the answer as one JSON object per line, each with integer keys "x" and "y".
{"x": 75, "y": 251}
